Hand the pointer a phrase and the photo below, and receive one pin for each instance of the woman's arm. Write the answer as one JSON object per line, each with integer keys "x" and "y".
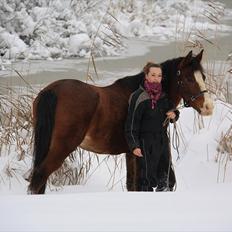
{"x": 133, "y": 123}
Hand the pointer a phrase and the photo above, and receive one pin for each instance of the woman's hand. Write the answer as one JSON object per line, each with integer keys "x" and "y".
{"x": 137, "y": 152}
{"x": 171, "y": 115}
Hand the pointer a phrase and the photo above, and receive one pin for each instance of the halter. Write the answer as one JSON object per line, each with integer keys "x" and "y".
{"x": 193, "y": 97}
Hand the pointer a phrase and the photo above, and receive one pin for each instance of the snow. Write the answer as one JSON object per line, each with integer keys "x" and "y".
{"x": 54, "y": 29}
{"x": 16, "y": 45}
{"x": 61, "y": 29}
{"x": 201, "y": 202}
{"x": 118, "y": 212}
{"x": 78, "y": 44}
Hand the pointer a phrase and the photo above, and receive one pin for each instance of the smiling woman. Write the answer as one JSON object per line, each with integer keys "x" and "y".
{"x": 146, "y": 131}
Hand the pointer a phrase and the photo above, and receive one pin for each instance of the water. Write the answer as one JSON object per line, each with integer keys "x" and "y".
{"x": 109, "y": 69}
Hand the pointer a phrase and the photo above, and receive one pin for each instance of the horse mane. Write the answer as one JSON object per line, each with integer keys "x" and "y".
{"x": 131, "y": 82}
{"x": 169, "y": 70}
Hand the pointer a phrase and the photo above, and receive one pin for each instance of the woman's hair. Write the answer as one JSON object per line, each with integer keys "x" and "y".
{"x": 149, "y": 65}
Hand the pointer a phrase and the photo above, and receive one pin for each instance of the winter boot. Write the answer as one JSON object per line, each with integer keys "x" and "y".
{"x": 163, "y": 185}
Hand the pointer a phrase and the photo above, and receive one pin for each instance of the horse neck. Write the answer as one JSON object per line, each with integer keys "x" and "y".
{"x": 170, "y": 86}
{"x": 169, "y": 83}
{"x": 130, "y": 83}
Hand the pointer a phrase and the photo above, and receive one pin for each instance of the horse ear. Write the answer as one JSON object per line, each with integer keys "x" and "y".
{"x": 186, "y": 59}
{"x": 199, "y": 56}
{"x": 189, "y": 56}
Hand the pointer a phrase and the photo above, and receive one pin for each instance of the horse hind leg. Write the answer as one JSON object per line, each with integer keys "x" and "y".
{"x": 40, "y": 177}
{"x": 51, "y": 163}
{"x": 37, "y": 182}
{"x": 63, "y": 143}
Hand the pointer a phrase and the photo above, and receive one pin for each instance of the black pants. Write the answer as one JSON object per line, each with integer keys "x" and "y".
{"x": 156, "y": 161}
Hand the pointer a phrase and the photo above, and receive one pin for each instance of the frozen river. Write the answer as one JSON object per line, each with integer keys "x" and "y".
{"x": 139, "y": 51}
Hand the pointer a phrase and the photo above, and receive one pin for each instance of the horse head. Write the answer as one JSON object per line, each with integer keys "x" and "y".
{"x": 191, "y": 84}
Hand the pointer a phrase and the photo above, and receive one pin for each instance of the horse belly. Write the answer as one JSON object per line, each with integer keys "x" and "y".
{"x": 104, "y": 145}
{"x": 88, "y": 144}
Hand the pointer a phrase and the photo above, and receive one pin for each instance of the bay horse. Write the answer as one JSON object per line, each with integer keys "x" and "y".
{"x": 70, "y": 113}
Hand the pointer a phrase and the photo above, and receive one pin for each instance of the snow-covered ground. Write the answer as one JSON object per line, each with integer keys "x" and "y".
{"x": 202, "y": 200}
{"x": 201, "y": 211}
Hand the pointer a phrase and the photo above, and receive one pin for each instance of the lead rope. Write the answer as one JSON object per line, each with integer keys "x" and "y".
{"x": 176, "y": 140}
{"x": 170, "y": 165}
{"x": 175, "y": 144}
{"x": 170, "y": 157}
{"x": 175, "y": 136}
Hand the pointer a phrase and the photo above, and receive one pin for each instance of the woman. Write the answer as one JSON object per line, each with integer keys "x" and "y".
{"x": 146, "y": 132}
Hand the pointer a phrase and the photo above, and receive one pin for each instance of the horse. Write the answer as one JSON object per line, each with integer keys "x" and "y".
{"x": 69, "y": 113}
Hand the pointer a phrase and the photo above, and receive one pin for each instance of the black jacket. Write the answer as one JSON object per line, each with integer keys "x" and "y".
{"x": 142, "y": 119}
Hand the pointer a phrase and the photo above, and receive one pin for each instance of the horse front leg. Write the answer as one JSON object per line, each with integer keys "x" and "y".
{"x": 133, "y": 172}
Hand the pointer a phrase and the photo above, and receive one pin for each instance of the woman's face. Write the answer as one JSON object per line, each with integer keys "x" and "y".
{"x": 154, "y": 75}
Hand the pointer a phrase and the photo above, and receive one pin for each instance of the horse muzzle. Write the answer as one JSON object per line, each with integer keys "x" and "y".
{"x": 207, "y": 108}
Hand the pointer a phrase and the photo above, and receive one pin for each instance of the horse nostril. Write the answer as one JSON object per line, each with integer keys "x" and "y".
{"x": 207, "y": 108}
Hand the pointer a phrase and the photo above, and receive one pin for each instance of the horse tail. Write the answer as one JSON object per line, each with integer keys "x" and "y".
{"x": 44, "y": 123}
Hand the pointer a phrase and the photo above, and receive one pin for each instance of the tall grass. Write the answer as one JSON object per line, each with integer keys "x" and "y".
{"x": 219, "y": 77}
{"x": 224, "y": 154}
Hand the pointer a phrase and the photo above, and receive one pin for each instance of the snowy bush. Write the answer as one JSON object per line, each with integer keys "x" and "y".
{"x": 43, "y": 29}
{"x": 78, "y": 44}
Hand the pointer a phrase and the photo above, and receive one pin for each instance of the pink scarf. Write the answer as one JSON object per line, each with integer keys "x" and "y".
{"x": 154, "y": 90}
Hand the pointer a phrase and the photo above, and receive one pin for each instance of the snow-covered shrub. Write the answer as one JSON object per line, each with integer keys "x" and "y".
{"x": 225, "y": 143}
{"x": 43, "y": 29}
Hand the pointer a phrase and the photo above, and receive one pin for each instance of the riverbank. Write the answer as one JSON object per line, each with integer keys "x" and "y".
{"x": 138, "y": 52}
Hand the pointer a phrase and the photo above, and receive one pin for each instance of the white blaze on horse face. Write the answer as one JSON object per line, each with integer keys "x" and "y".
{"x": 208, "y": 106}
